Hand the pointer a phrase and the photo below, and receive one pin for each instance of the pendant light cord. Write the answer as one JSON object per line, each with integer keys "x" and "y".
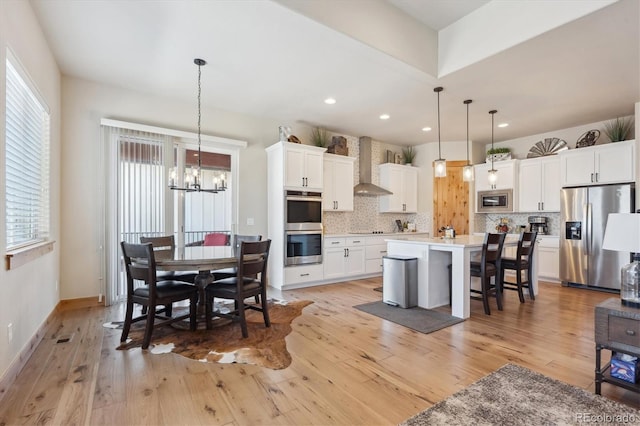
{"x": 467, "y": 102}
{"x": 438, "y": 90}
{"x": 199, "y": 115}
{"x": 492, "y": 112}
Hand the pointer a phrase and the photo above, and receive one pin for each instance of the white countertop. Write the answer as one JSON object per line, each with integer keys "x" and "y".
{"x": 458, "y": 241}
{"x": 369, "y": 234}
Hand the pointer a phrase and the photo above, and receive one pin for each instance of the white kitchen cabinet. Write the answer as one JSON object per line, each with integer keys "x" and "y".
{"x": 295, "y": 276}
{"x": 343, "y": 257}
{"x": 375, "y": 249}
{"x": 403, "y": 182}
{"x": 507, "y": 175}
{"x": 303, "y": 169}
{"x": 548, "y": 258}
{"x": 539, "y": 184}
{"x": 338, "y": 183}
{"x": 598, "y": 164}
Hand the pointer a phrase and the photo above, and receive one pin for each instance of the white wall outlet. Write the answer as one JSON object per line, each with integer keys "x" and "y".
{"x": 250, "y": 221}
{"x": 10, "y": 332}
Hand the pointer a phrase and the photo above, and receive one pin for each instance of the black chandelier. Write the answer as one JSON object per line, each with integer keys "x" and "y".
{"x": 194, "y": 175}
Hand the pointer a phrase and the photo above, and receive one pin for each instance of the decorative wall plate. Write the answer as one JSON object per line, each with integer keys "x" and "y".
{"x": 588, "y": 138}
{"x": 548, "y": 146}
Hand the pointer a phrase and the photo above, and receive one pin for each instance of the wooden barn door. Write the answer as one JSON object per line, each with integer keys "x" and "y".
{"x": 451, "y": 200}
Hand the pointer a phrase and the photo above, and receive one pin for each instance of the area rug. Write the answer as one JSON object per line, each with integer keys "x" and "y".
{"x": 418, "y": 319}
{"x": 377, "y": 289}
{"x": 515, "y": 395}
{"x": 265, "y": 347}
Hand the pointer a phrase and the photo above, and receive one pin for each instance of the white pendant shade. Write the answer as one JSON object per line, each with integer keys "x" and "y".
{"x": 467, "y": 173}
{"x": 493, "y": 177}
{"x": 440, "y": 168}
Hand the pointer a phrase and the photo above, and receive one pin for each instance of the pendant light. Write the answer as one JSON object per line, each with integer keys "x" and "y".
{"x": 493, "y": 173}
{"x": 467, "y": 171}
{"x": 193, "y": 176}
{"x": 440, "y": 165}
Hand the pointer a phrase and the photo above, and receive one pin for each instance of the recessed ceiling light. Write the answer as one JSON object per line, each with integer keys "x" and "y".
{"x": 426, "y": 129}
{"x": 503, "y": 124}
{"x": 330, "y": 101}
{"x": 385, "y": 117}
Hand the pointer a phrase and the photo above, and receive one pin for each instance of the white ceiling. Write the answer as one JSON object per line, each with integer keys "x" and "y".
{"x": 269, "y": 61}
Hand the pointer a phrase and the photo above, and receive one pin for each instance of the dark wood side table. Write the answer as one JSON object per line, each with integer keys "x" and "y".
{"x": 617, "y": 328}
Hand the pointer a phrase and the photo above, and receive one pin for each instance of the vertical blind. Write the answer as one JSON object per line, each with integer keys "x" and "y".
{"x": 27, "y": 163}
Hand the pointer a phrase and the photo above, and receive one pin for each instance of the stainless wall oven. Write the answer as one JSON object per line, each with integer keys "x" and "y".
{"x": 303, "y": 211}
{"x": 303, "y": 247}
{"x": 303, "y": 227}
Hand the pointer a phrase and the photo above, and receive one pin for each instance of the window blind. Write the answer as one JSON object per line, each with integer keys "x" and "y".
{"x": 27, "y": 163}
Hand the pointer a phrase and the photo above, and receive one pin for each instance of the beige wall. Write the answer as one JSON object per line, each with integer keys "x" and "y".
{"x": 28, "y": 294}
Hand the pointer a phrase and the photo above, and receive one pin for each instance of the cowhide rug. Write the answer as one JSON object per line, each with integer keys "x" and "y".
{"x": 265, "y": 347}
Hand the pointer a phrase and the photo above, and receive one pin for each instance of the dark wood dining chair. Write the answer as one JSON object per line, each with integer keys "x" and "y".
{"x": 489, "y": 266}
{"x": 236, "y": 242}
{"x": 521, "y": 263}
{"x": 140, "y": 265}
{"x": 216, "y": 239}
{"x": 165, "y": 246}
{"x": 250, "y": 281}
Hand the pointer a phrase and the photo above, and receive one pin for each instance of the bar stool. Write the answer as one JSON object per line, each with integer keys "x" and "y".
{"x": 489, "y": 266}
{"x": 521, "y": 263}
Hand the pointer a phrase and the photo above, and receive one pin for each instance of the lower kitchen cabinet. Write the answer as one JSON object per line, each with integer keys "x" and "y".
{"x": 549, "y": 258}
{"x": 343, "y": 257}
{"x": 295, "y": 275}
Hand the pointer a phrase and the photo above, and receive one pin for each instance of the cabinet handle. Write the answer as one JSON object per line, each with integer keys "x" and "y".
{"x": 542, "y": 205}
{"x": 304, "y": 275}
{"x": 383, "y": 252}
{"x": 631, "y": 332}
{"x": 597, "y": 177}
{"x": 591, "y": 177}
{"x": 347, "y": 252}
{"x": 356, "y": 242}
{"x": 335, "y": 242}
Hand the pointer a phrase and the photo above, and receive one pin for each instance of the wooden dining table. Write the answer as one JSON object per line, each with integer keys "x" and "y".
{"x": 203, "y": 259}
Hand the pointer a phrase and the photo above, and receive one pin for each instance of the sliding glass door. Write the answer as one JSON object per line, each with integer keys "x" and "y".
{"x": 138, "y": 201}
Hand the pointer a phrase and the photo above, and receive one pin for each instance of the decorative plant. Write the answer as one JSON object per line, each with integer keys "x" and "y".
{"x": 409, "y": 154}
{"x": 320, "y": 137}
{"x": 618, "y": 129}
{"x": 502, "y": 150}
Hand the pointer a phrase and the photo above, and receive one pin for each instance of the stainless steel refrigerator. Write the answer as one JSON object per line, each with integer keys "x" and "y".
{"x": 583, "y": 216}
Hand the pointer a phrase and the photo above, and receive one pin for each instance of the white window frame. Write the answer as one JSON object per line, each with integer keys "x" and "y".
{"x": 40, "y": 223}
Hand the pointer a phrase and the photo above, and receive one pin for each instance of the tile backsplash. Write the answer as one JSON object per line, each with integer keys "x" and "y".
{"x": 487, "y": 222}
{"x": 365, "y": 216}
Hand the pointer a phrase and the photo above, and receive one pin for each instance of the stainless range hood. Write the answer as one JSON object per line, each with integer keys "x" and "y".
{"x": 365, "y": 187}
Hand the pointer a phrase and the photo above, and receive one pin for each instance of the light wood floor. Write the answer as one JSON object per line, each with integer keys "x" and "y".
{"x": 348, "y": 367}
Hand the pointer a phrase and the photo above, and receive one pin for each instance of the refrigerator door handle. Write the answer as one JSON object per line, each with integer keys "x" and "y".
{"x": 589, "y": 226}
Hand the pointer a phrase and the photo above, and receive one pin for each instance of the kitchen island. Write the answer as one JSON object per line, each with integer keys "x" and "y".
{"x": 434, "y": 255}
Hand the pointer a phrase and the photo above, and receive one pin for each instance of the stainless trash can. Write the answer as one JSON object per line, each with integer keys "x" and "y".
{"x": 400, "y": 281}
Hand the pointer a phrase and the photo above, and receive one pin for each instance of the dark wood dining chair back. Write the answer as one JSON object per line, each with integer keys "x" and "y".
{"x": 140, "y": 265}
{"x": 489, "y": 266}
{"x": 165, "y": 246}
{"x": 249, "y": 281}
{"x": 237, "y": 239}
{"x": 521, "y": 263}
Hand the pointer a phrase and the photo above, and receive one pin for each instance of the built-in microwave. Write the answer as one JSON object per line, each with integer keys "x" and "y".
{"x": 495, "y": 201}
{"x": 303, "y": 211}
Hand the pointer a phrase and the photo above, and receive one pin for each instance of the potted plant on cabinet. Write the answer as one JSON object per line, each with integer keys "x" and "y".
{"x": 409, "y": 155}
{"x": 617, "y": 130}
{"x": 498, "y": 154}
{"x": 319, "y": 137}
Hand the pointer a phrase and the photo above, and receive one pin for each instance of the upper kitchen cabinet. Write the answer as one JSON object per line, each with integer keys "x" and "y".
{"x": 403, "y": 182}
{"x": 338, "y": 183}
{"x": 598, "y": 165}
{"x": 539, "y": 184}
{"x": 507, "y": 175}
{"x": 303, "y": 167}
